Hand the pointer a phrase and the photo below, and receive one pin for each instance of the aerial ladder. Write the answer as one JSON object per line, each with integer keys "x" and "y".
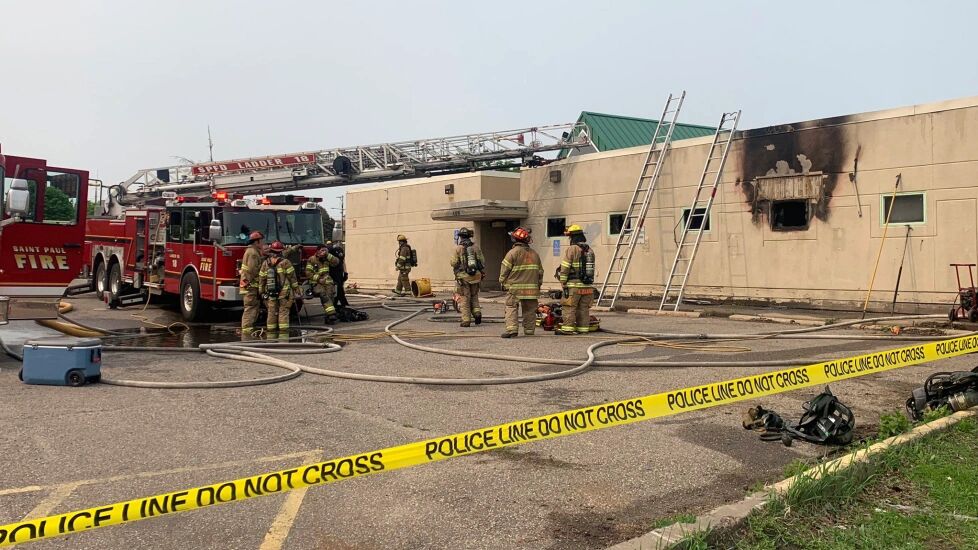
{"x": 347, "y": 165}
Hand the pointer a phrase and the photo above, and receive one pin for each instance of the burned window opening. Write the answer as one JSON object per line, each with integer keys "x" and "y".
{"x": 616, "y": 222}
{"x": 701, "y": 220}
{"x": 790, "y": 215}
{"x": 556, "y": 227}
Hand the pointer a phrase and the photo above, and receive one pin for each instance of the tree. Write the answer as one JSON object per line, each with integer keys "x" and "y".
{"x": 57, "y": 206}
{"x": 94, "y": 208}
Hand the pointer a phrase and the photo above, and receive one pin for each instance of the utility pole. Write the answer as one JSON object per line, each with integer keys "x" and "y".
{"x": 343, "y": 214}
{"x": 210, "y": 143}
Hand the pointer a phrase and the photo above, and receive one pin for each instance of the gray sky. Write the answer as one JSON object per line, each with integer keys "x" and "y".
{"x": 115, "y": 86}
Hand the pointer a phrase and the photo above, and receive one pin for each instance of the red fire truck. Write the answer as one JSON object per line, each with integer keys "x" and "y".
{"x": 41, "y": 235}
{"x": 191, "y": 247}
{"x": 182, "y": 229}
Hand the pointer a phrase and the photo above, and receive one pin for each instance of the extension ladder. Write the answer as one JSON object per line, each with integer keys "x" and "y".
{"x": 641, "y": 198}
{"x": 688, "y": 245}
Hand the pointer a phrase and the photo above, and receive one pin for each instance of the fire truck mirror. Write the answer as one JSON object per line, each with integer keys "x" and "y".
{"x": 215, "y": 230}
{"x": 18, "y": 198}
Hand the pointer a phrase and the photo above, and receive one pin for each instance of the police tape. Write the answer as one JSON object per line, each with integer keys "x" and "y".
{"x": 560, "y": 424}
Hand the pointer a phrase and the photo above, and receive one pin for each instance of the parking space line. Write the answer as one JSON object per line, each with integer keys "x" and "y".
{"x": 57, "y": 495}
{"x": 279, "y": 531}
{"x": 141, "y": 475}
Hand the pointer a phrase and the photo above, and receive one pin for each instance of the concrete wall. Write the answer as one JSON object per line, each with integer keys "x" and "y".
{"x": 934, "y": 147}
{"x": 376, "y": 215}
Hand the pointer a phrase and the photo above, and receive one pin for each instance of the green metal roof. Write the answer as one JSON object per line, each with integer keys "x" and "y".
{"x": 610, "y": 132}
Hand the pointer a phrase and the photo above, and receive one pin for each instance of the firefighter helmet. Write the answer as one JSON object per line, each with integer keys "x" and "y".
{"x": 574, "y": 229}
{"x": 401, "y": 238}
{"x": 520, "y": 235}
{"x": 277, "y": 247}
{"x": 255, "y": 236}
{"x": 465, "y": 233}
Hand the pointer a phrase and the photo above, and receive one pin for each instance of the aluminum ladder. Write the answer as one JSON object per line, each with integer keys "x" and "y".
{"x": 641, "y": 198}
{"x": 688, "y": 245}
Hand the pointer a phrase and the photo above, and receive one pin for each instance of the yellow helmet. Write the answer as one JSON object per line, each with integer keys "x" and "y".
{"x": 574, "y": 229}
{"x": 401, "y": 238}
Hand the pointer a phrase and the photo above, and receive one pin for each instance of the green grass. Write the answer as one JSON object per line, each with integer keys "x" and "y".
{"x": 916, "y": 496}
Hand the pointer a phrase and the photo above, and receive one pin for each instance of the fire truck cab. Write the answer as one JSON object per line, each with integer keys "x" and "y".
{"x": 191, "y": 247}
{"x": 42, "y": 228}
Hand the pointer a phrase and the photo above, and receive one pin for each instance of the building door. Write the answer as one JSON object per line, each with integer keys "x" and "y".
{"x": 493, "y": 237}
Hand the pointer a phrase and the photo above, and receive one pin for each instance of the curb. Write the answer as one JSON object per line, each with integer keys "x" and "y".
{"x": 732, "y": 516}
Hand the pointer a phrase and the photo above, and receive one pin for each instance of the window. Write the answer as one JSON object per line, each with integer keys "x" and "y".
{"x": 61, "y": 198}
{"x": 300, "y": 227}
{"x": 556, "y": 227}
{"x": 789, "y": 215}
{"x": 700, "y": 221}
{"x": 175, "y": 232}
{"x": 616, "y": 222}
{"x": 908, "y": 208}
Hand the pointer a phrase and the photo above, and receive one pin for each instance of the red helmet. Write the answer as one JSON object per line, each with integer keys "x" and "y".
{"x": 520, "y": 235}
{"x": 277, "y": 247}
{"x": 255, "y": 236}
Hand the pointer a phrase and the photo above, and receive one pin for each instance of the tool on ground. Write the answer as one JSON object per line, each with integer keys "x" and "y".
{"x": 549, "y": 316}
{"x": 967, "y": 307}
{"x": 698, "y": 215}
{"x": 879, "y": 254}
{"x": 955, "y": 390}
{"x": 826, "y": 420}
{"x": 896, "y": 289}
{"x": 638, "y": 207}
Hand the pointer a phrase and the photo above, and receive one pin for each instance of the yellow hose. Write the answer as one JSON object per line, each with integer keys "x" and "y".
{"x": 68, "y": 328}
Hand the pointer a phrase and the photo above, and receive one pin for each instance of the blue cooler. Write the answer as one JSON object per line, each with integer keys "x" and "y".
{"x": 62, "y": 361}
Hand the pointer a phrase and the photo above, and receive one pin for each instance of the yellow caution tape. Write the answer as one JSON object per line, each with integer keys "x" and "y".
{"x": 484, "y": 439}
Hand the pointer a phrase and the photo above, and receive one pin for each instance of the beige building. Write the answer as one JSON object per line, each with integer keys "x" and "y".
{"x": 797, "y": 218}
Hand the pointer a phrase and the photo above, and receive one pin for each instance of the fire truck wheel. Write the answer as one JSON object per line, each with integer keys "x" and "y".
{"x": 191, "y": 306}
{"x": 115, "y": 285}
{"x": 75, "y": 378}
{"x": 98, "y": 281}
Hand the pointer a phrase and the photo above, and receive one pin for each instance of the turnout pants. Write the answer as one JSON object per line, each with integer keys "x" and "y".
{"x": 468, "y": 300}
{"x": 278, "y": 314}
{"x": 326, "y": 293}
{"x": 529, "y": 306}
{"x": 577, "y": 310}
{"x": 403, "y": 281}
{"x": 251, "y": 306}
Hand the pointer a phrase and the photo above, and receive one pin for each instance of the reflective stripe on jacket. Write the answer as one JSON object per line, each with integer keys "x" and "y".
{"x": 250, "y": 266}
{"x": 285, "y": 278}
{"x": 317, "y": 270}
{"x": 522, "y": 272}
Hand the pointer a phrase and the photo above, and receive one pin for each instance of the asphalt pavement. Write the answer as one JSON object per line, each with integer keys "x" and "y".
{"x": 69, "y": 448}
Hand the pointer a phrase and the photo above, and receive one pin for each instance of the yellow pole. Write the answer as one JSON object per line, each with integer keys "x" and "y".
{"x": 879, "y": 254}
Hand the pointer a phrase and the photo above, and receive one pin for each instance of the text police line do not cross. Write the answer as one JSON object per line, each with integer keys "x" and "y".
{"x": 503, "y": 435}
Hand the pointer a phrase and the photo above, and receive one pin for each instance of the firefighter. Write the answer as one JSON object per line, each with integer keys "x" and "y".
{"x": 469, "y": 266}
{"x": 317, "y": 272}
{"x": 521, "y": 275}
{"x": 403, "y": 263}
{"x": 248, "y": 282}
{"x": 339, "y": 275}
{"x": 576, "y": 277}
{"x": 279, "y": 287}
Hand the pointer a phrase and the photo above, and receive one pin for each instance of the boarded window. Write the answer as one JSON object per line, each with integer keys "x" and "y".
{"x": 908, "y": 208}
{"x": 789, "y": 215}
{"x": 700, "y": 221}
{"x": 556, "y": 227}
